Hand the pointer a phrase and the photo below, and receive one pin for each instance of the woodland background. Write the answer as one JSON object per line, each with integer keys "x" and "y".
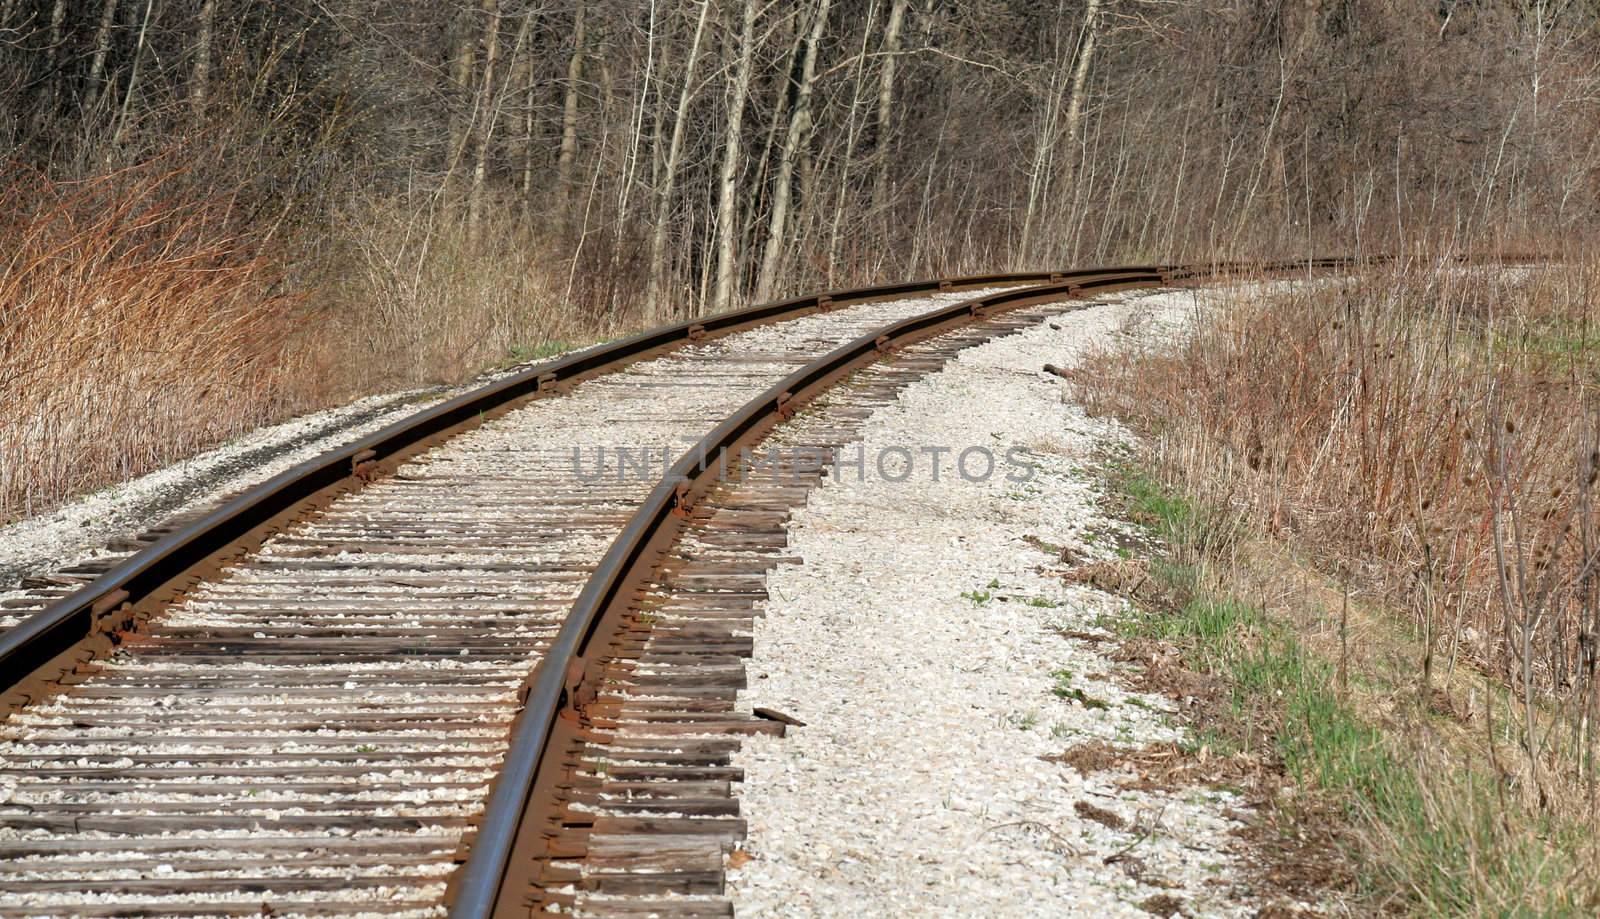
{"x": 231, "y": 210}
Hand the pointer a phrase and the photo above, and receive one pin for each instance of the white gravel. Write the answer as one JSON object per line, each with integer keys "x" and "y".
{"x": 918, "y": 641}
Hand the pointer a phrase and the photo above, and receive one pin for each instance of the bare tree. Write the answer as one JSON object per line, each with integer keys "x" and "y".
{"x": 102, "y": 48}
{"x": 885, "y": 123}
{"x": 569, "y": 108}
{"x": 728, "y": 230}
{"x": 799, "y": 133}
{"x": 682, "y": 147}
{"x": 484, "y": 111}
{"x": 133, "y": 76}
{"x": 666, "y": 187}
{"x": 200, "y": 75}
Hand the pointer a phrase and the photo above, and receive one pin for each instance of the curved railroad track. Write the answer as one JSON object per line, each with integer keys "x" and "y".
{"x": 443, "y": 665}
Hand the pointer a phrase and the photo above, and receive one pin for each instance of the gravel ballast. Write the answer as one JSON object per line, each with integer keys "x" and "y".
{"x": 919, "y": 639}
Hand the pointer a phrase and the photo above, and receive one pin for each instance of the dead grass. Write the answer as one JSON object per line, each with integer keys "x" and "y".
{"x": 137, "y": 325}
{"x": 1431, "y": 432}
{"x": 417, "y": 302}
{"x": 143, "y": 321}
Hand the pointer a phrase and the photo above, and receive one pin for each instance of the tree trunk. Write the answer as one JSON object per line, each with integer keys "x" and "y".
{"x": 761, "y": 179}
{"x": 727, "y": 230}
{"x": 636, "y": 123}
{"x": 463, "y": 58}
{"x": 200, "y": 81}
{"x": 802, "y": 207}
{"x": 522, "y": 81}
{"x": 1045, "y": 144}
{"x": 58, "y": 12}
{"x": 669, "y": 169}
{"x": 852, "y": 134}
{"x": 569, "y": 111}
{"x": 485, "y": 110}
{"x": 102, "y": 49}
{"x": 1080, "y": 81}
{"x": 880, "y": 153}
{"x": 799, "y": 133}
{"x": 133, "y": 76}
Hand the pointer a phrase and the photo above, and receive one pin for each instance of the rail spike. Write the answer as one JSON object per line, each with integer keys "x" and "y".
{"x": 683, "y": 498}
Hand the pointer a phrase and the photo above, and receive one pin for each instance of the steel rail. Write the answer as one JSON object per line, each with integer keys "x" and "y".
{"x": 74, "y": 629}
{"x": 494, "y": 879}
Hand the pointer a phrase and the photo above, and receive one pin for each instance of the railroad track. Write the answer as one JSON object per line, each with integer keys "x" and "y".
{"x": 445, "y": 666}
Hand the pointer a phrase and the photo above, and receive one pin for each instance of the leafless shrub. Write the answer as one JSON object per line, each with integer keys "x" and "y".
{"x": 137, "y": 324}
{"x": 413, "y": 300}
{"x": 1432, "y": 428}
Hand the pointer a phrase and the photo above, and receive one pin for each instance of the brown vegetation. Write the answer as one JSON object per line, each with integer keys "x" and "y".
{"x": 439, "y": 185}
{"x": 1417, "y": 636}
{"x": 1431, "y": 429}
{"x": 136, "y": 325}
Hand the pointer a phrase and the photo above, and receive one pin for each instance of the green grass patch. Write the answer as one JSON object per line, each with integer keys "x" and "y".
{"x": 1063, "y": 689}
{"x": 1431, "y": 841}
{"x": 1554, "y": 336}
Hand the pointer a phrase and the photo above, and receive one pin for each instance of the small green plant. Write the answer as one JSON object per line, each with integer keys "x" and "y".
{"x": 1438, "y": 829}
{"x": 1063, "y": 689}
{"x": 1044, "y": 545}
{"x": 978, "y": 597}
{"x": 366, "y": 748}
{"x": 1043, "y": 602}
{"x": 1086, "y": 700}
